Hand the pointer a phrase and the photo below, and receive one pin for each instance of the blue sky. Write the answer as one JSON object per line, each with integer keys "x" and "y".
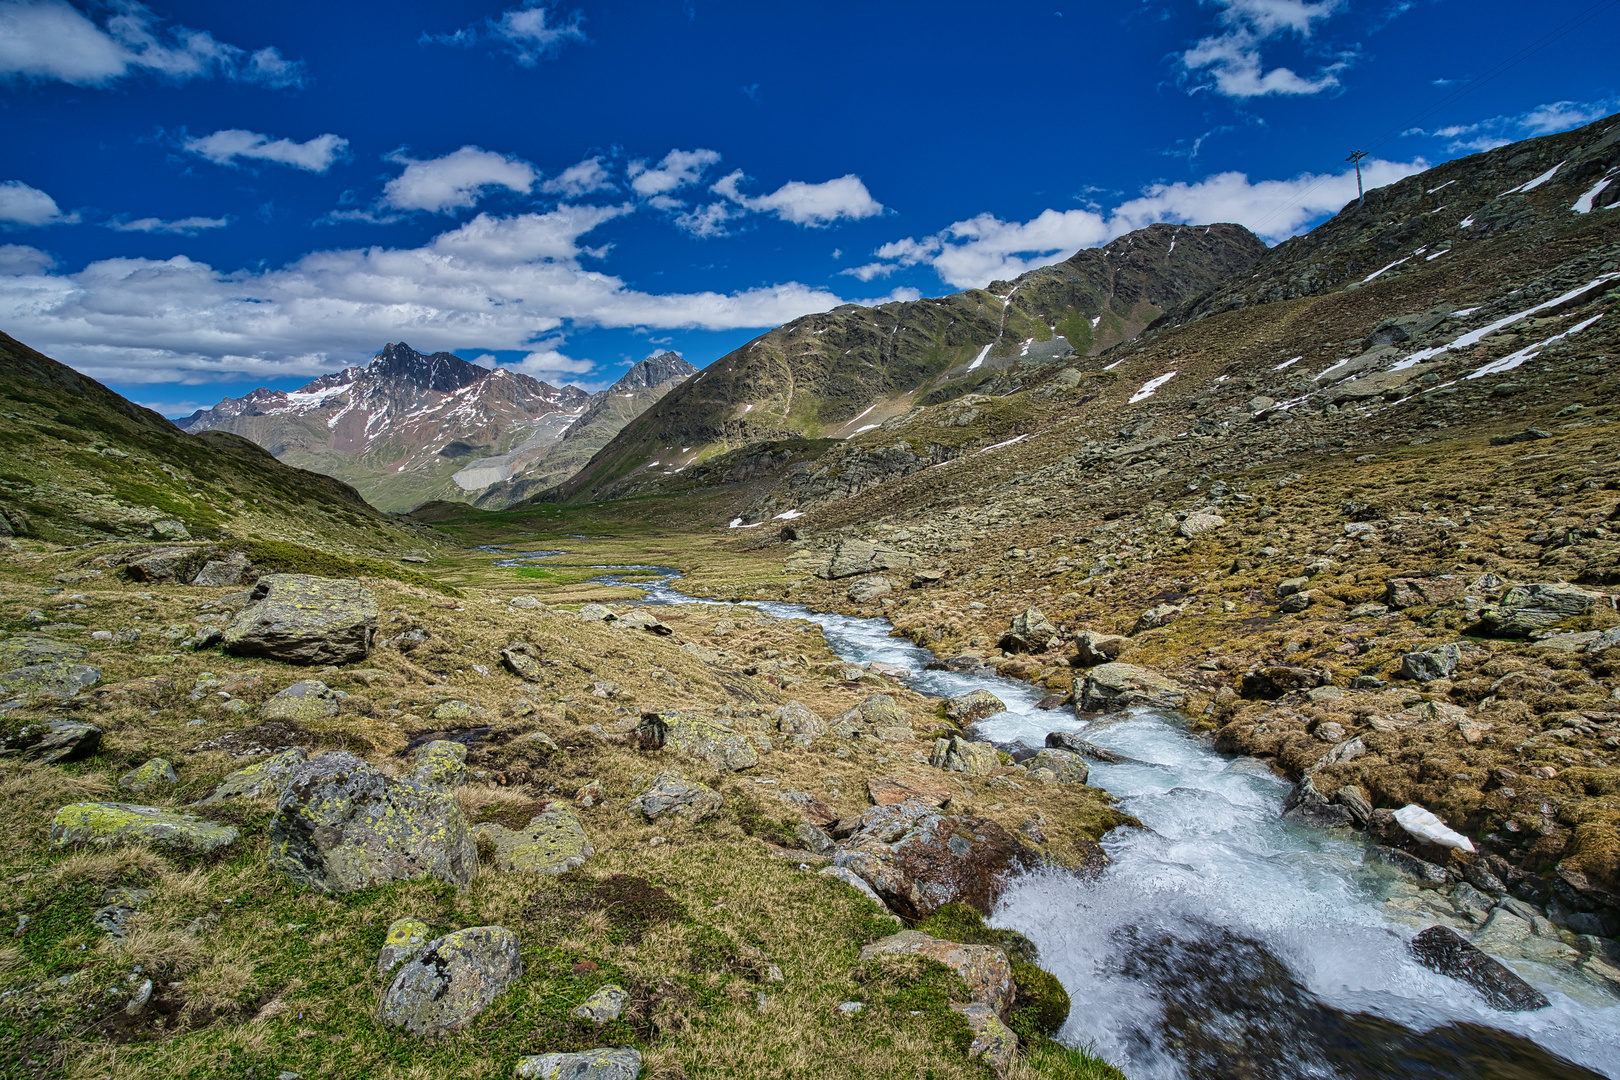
{"x": 197, "y": 199}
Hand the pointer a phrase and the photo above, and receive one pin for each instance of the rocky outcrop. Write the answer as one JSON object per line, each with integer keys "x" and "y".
{"x": 1030, "y": 632}
{"x": 49, "y": 679}
{"x": 300, "y": 619}
{"x": 107, "y": 824}
{"x": 852, "y": 558}
{"x": 341, "y": 825}
{"x": 1526, "y": 608}
{"x": 450, "y": 981}
{"x": 957, "y": 754}
{"x": 918, "y": 858}
{"x": 984, "y": 968}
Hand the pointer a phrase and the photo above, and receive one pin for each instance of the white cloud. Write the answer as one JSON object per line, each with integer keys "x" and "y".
{"x": 52, "y": 40}
{"x": 22, "y": 259}
{"x": 188, "y": 226}
{"x": 1548, "y": 119}
{"x": 494, "y": 283}
{"x": 583, "y": 178}
{"x": 548, "y": 364}
{"x": 530, "y": 32}
{"x": 802, "y": 203}
{"x": 456, "y": 181}
{"x": 224, "y": 147}
{"x": 982, "y": 249}
{"x": 1232, "y": 58}
{"x": 707, "y": 221}
{"x": 680, "y": 168}
{"x": 22, "y": 206}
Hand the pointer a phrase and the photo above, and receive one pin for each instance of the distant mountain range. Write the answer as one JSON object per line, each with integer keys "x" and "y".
{"x": 408, "y": 428}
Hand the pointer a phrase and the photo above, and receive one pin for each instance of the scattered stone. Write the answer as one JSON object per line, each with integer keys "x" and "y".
{"x": 993, "y": 1040}
{"x": 866, "y": 589}
{"x": 697, "y": 737}
{"x": 523, "y": 603}
{"x": 974, "y": 705}
{"x": 604, "y": 1006}
{"x": 1115, "y": 686}
{"x": 1065, "y": 766}
{"x": 1068, "y": 740}
{"x": 1293, "y": 586}
{"x": 223, "y": 573}
{"x": 1526, "y": 608}
{"x": 1306, "y": 806}
{"x": 597, "y": 613}
{"x": 814, "y": 839}
{"x": 800, "y": 722}
{"x": 1425, "y": 873}
{"x": 523, "y": 660}
{"x": 1030, "y": 632}
{"x": 267, "y": 777}
{"x": 1431, "y": 664}
{"x": 50, "y": 740}
{"x": 1092, "y": 648}
{"x": 107, "y": 824}
{"x": 957, "y": 754}
{"x": 918, "y": 858}
{"x": 452, "y": 711}
{"x": 49, "y": 679}
{"x": 1271, "y": 683}
{"x": 300, "y": 619}
{"x": 155, "y": 772}
{"x": 302, "y": 702}
{"x": 1200, "y": 522}
{"x": 612, "y": 1063}
{"x": 878, "y": 715}
{"x": 643, "y": 620}
{"x": 1296, "y": 603}
{"x": 893, "y": 790}
{"x": 119, "y": 904}
{"x": 1442, "y": 949}
{"x": 672, "y": 793}
{"x": 25, "y": 649}
{"x": 588, "y": 794}
{"x": 404, "y": 940}
{"x": 984, "y": 968}
{"x": 1329, "y": 731}
{"x": 1155, "y": 617}
{"x": 451, "y": 980}
{"x": 440, "y": 763}
{"x": 553, "y": 842}
{"x": 342, "y": 825}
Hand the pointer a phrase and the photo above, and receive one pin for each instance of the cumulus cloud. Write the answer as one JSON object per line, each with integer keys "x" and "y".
{"x": 1232, "y": 59}
{"x": 50, "y": 40}
{"x": 549, "y": 364}
{"x": 224, "y": 147}
{"x": 584, "y": 178}
{"x": 455, "y": 181}
{"x": 22, "y": 259}
{"x": 679, "y": 169}
{"x": 802, "y": 203}
{"x": 982, "y": 249}
{"x": 187, "y": 226}
{"x": 1548, "y": 119}
{"x": 23, "y": 207}
{"x": 531, "y": 33}
{"x": 494, "y": 283}
{"x": 706, "y": 221}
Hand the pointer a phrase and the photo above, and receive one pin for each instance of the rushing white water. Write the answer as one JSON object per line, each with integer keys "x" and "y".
{"x": 1217, "y": 858}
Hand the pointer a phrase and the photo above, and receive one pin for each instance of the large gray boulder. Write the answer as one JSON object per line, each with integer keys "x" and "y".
{"x": 342, "y": 825}
{"x": 50, "y": 740}
{"x": 1525, "y": 608}
{"x": 957, "y": 754}
{"x": 300, "y": 619}
{"x": 973, "y": 705}
{"x": 553, "y": 842}
{"x": 672, "y": 793}
{"x": 451, "y": 980}
{"x": 855, "y": 557}
{"x": 1428, "y": 665}
{"x": 1092, "y": 648}
{"x": 1115, "y": 686}
{"x": 107, "y": 824}
{"x": 1031, "y": 632}
{"x": 49, "y": 679}
{"x": 25, "y": 649}
{"x": 699, "y": 738}
{"x": 605, "y": 1063}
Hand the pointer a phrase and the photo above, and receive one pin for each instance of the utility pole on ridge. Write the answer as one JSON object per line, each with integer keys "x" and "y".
{"x": 1356, "y": 156}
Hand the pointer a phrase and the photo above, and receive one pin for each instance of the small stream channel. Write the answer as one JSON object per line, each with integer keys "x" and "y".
{"x": 1222, "y": 941}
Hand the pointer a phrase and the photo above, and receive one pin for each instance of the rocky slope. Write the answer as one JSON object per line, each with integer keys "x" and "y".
{"x": 846, "y": 371}
{"x": 537, "y": 465}
{"x": 83, "y": 465}
{"x": 401, "y": 427}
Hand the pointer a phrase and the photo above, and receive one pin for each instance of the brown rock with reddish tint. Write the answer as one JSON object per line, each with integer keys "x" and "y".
{"x": 919, "y": 858}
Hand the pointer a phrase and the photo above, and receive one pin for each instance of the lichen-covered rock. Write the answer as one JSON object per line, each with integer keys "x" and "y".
{"x": 697, "y": 737}
{"x": 605, "y": 1005}
{"x": 1092, "y": 648}
{"x": 451, "y": 980}
{"x": 441, "y": 763}
{"x": 1405, "y": 592}
{"x": 596, "y": 613}
{"x": 1114, "y": 686}
{"x": 856, "y": 882}
{"x": 855, "y": 557}
{"x": 452, "y": 711}
{"x": 553, "y": 842}
{"x": 25, "y": 649}
{"x": 965, "y": 756}
{"x": 1031, "y": 632}
{"x": 342, "y": 825}
{"x": 522, "y": 660}
{"x": 919, "y": 858}
{"x": 263, "y": 778}
{"x": 984, "y": 968}
{"x": 300, "y": 619}
{"x": 155, "y": 773}
{"x": 873, "y": 587}
{"x": 404, "y": 940}
{"x": 1525, "y": 608}
{"x": 222, "y": 573}
{"x": 1154, "y": 617}
{"x": 50, "y": 740}
{"x": 875, "y": 713}
{"x": 607, "y": 1063}
{"x": 1200, "y": 522}
{"x": 302, "y": 702}
{"x": 637, "y": 619}
{"x": 49, "y": 679}
{"x": 1066, "y": 766}
{"x": 672, "y": 793}
{"x": 993, "y": 1040}
{"x": 799, "y": 722}
{"x": 973, "y": 705}
{"x": 107, "y": 824}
